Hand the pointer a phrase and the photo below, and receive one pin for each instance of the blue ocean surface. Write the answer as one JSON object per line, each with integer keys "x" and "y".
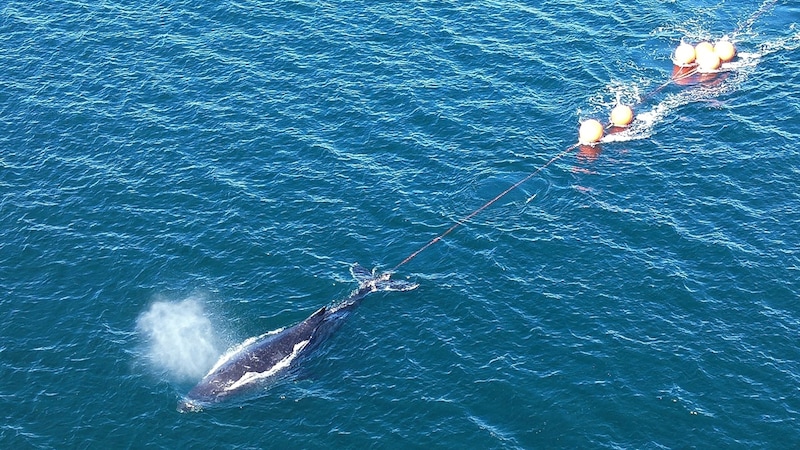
{"x": 178, "y": 176}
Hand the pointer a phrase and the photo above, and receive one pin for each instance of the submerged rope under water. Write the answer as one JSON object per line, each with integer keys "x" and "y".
{"x": 565, "y": 152}
{"x": 485, "y": 205}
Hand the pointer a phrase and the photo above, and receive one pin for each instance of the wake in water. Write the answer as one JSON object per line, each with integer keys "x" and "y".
{"x": 698, "y": 84}
{"x": 650, "y": 110}
{"x": 729, "y": 78}
{"x": 181, "y": 342}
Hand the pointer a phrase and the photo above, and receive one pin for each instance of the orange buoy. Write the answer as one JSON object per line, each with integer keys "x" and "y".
{"x": 684, "y": 55}
{"x": 702, "y": 48}
{"x": 708, "y": 62}
{"x": 622, "y": 115}
{"x": 725, "y": 50}
{"x": 591, "y": 132}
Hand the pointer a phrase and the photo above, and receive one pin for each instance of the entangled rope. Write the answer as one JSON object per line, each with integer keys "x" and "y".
{"x": 749, "y": 22}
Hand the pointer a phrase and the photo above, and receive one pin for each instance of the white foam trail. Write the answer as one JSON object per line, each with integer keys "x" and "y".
{"x": 646, "y": 119}
{"x": 789, "y": 43}
{"x": 180, "y": 338}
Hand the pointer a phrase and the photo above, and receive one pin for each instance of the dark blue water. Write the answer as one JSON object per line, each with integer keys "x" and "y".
{"x": 179, "y": 176}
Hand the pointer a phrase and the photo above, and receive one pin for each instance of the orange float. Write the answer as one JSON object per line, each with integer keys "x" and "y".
{"x": 621, "y": 115}
{"x": 591, "y": 132}
{"x": 725, "y": 50}
{"x": 708, "y": 62}
{"x": 684, "y": 55}
{"x": 703, "y": 48}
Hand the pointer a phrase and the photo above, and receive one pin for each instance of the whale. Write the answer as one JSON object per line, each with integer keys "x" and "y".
{"x": 272, "y": 355}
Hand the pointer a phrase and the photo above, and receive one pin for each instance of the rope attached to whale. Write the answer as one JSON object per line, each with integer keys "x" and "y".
{"x": 682, "y": 75}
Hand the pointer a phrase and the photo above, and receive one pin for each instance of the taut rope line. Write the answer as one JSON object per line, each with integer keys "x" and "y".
{"x": 485, "y": 205}
{"x": 566, "y": 151}
{"x": 569, "y": 149}
{"x": 765, "y": 7}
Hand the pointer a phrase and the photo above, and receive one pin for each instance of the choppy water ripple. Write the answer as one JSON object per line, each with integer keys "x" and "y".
{"x": 241, "y": 155}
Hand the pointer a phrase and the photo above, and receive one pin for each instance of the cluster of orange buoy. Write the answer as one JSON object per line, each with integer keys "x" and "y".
{"x": 688, "y": 59}
{"x": 592, "y": 130}
{"x": 704, "y": 56}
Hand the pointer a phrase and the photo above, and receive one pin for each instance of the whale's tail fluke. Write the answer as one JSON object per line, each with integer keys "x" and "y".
{"x": 379, "y": 282}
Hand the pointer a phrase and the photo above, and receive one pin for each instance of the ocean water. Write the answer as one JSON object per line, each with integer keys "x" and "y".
{"x": 179, "y": 176}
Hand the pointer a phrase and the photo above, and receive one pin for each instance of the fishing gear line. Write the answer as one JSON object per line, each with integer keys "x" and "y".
{"x": 680, "y": 76}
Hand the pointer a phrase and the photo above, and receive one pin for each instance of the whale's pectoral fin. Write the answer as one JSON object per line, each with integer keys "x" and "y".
{"x": 360, "y": 273}
{"x": 395, "y": 285}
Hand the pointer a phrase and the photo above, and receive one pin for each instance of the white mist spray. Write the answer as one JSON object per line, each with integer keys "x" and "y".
{"x": 180, "y": 338}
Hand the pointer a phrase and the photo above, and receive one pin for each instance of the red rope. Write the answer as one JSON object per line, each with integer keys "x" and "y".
{"x": 763, "y": 9}
{"x": 520, "y": 182}
{"x": 462, "y": 221}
